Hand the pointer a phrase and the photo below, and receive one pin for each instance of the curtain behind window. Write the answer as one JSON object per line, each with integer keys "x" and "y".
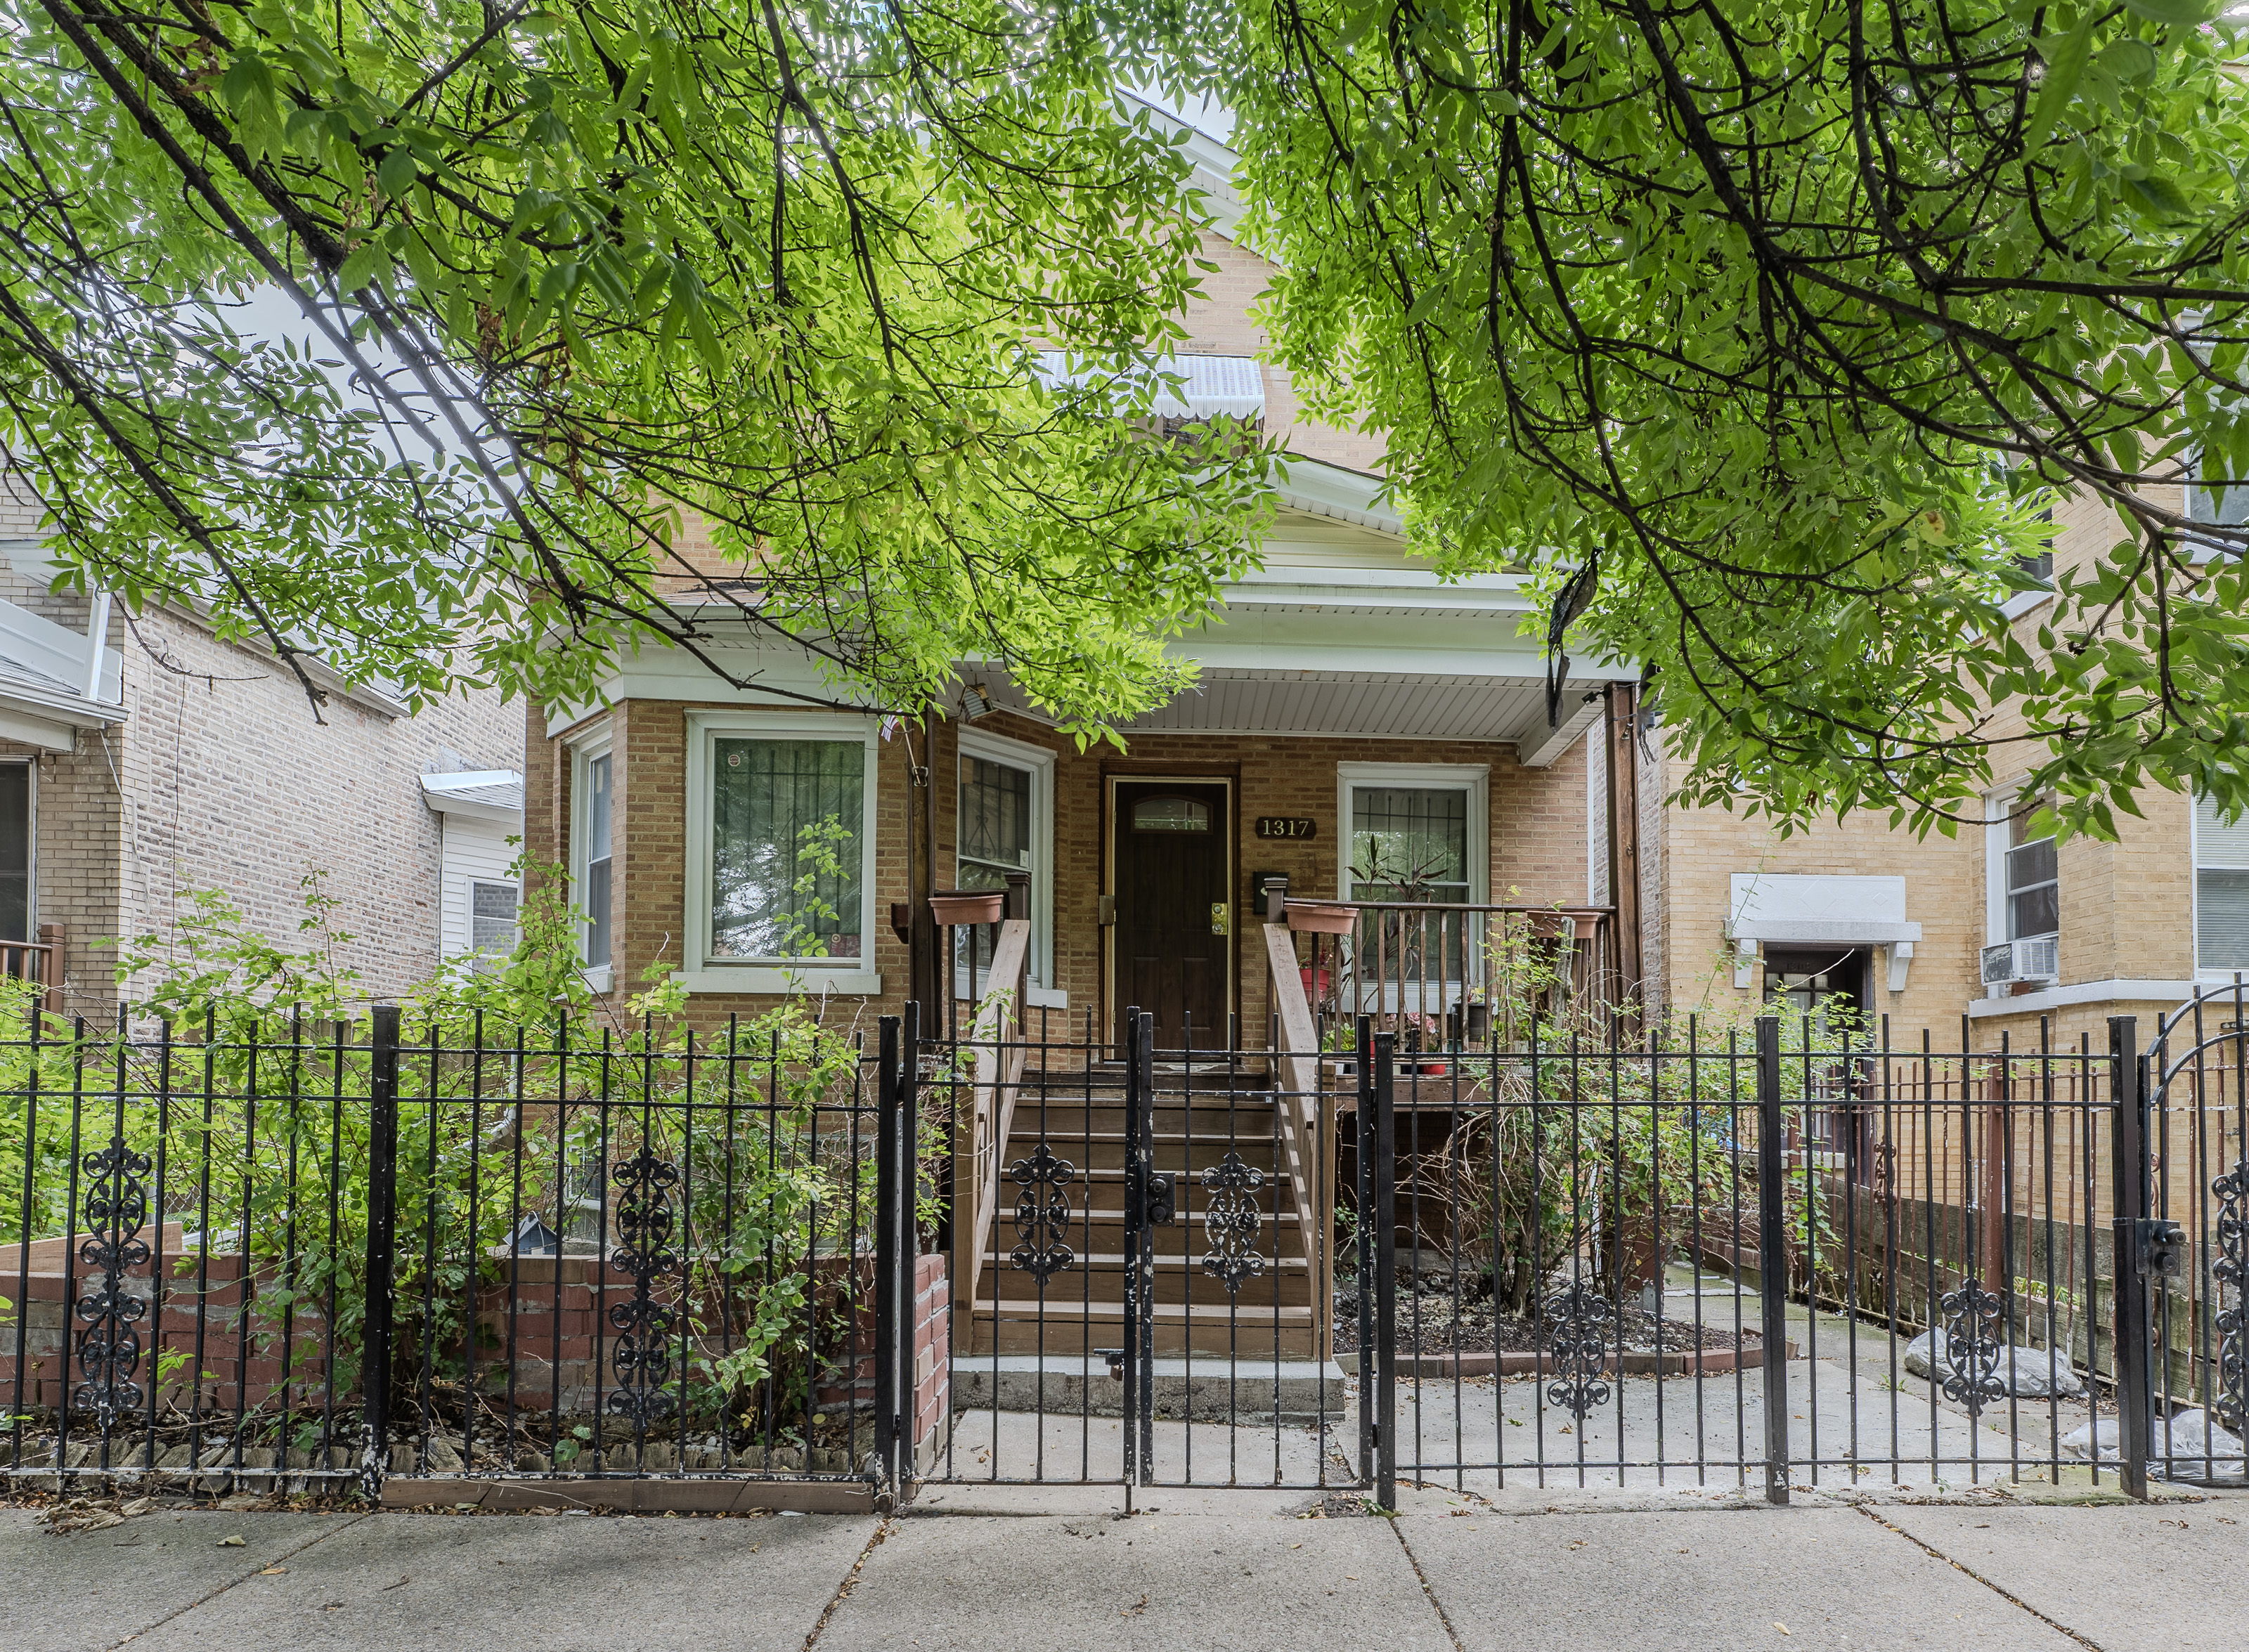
{"x": 765, "y": 794}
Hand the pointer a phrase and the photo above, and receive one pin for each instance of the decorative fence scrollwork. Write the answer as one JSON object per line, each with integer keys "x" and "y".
{"x": 2232, "y": 1273}
{"x": 1972, "y": 1322}
{"x": 641, "y": 1356}
{"x": 1042, "y": 1214}
{"x": 109, "y": 1347}
{"x": 1581, "y": 1330}
{"x": 1232, "y": 1221}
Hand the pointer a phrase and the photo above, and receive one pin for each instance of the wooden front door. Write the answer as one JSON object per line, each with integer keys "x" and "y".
{"x": 1172, "y": 869}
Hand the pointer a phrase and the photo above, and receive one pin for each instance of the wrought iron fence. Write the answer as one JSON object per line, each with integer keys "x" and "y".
{"x": 1630, "y": 1260}
{"x": 298, "y": 1256}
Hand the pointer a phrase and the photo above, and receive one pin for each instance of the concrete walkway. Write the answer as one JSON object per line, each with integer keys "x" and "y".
{"x": 999, "y": 1569}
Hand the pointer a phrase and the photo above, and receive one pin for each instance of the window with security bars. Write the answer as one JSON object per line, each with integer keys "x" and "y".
{"x": 2033, "y": 883}
{"x": 15, "y": 852}
{"x": 789, "y": 818}
{"x": 995, "y": 823}
{"x": 492, "y": 918}
{"x": 1409, "y": 843}
{"x": 2221, "y": 889}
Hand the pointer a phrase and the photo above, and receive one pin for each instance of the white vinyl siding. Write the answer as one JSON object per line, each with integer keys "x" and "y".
{"x": 475, "y": 852}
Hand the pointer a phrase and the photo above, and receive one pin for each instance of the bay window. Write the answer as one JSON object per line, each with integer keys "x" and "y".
{"x": 780, "y": 850}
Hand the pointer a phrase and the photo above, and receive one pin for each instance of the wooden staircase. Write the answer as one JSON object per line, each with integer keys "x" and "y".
{"x": 1277, "y": 1307}
{"x": 1197, "y": 1125}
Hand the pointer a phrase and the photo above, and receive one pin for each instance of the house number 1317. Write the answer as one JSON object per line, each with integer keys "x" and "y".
{"x": 1287, "y": 826}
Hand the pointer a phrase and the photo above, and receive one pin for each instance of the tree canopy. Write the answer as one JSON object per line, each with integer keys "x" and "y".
{"x": 1766, "y": 333}
{"x": 472, "y": 341}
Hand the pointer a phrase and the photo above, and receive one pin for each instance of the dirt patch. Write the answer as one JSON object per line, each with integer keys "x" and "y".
{"x": 1434, "y": 1322}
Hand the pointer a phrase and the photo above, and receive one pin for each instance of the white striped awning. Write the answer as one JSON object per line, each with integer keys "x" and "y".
{"x": 1212, "y": 384}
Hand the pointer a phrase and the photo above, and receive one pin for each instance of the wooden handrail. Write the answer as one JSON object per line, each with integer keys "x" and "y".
{"x": 998, "y": 1070}
{"x": 1300, "y": 1074}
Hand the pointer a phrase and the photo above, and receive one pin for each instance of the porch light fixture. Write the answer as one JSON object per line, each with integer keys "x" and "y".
{"x": 975, "y": 702}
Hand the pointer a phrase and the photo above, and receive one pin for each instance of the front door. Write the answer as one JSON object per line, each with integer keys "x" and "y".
{"x": 1172, "y": 874}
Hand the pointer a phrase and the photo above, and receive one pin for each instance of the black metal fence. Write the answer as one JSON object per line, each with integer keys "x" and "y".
{"x": 1795, "y": 1257}
{"x": 282, "y": 1256}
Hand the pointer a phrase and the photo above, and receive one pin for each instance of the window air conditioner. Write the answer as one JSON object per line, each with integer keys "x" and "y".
{"x": 2034, "y": 959}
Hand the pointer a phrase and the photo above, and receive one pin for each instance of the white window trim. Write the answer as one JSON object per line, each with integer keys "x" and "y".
{"x": 1997, "y": 807}
{"x": 1475, "y": 779}
{"x": 583, "y": 749}
{"x": 1040, "y": 763}
{"x": 705, "y": 974}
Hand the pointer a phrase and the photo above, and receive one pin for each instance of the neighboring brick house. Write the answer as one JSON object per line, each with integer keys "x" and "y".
{"x": 1349, "y": 702}
{"x": 1986, "y": 927}
{"x": 143, "y": 760}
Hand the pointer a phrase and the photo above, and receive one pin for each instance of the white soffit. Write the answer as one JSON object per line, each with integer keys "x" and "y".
{"x": 483, "y": 794}
{"x": 1819, "y": 908}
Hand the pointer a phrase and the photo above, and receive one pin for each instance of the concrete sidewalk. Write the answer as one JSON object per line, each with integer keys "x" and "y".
{"x": 1042, "y": 1569}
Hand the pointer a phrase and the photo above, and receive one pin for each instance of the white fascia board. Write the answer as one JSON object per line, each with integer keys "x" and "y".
{"x": 1835, "y": 931}
{"x": 1323, "y": 490}
{"x": 1534, "y": 753}
{"x": 1417, "y": 588}
{"x": 471, "y": 795}
{"x": 1213, "y": 165}
{"x": 58, "y": 706}
{"x": 778, "y": 674}
{"x": 43, "y": 732}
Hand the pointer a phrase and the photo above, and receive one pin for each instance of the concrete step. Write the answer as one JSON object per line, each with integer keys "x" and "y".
{"x": 1201, "y": 1391}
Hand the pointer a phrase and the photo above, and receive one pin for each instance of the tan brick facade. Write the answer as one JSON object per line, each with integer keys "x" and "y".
{"x": 2127, "y": 908}
{"x": 1538, "y": 847}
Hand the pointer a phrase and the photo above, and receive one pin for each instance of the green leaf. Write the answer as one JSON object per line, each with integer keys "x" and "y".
{"x": 2060, "y": 85}
{"x": 2177, "y": 14}
{"x": 396, "y": 174}
{"x": 2157, "y": 196}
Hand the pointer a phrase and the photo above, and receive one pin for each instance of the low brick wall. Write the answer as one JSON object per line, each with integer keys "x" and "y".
{"x": 932, "y": 1359}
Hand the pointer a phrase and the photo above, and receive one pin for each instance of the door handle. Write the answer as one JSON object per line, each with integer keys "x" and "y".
{"x": 1221, "y": 918}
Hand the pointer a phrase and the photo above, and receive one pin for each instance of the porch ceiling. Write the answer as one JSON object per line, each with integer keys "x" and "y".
{"x": 1415, "y": 705}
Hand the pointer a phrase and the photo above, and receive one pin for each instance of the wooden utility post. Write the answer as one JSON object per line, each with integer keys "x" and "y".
{"x": 1620, "y": 708}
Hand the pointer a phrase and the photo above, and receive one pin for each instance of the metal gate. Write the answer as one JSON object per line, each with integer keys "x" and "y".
{"x": 1140, "y": 1246}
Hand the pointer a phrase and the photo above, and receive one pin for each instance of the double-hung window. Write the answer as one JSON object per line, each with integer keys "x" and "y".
{"x": 591, "y": 819}
{"x": 1415, "y": 831}
{"x": 2033, "y": 881}
{"x": 1007, "y": 825}
{"x": 780, "y": 869}
{"x": 2221, "y": 889}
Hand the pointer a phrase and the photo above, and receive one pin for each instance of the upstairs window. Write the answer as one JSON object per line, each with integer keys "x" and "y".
{"x": 2033, "y": 886}
{"x": 2221, "y": 889}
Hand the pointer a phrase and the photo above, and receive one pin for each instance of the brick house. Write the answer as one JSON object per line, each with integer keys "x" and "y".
{"x": 2018, "y": 938}
{"x": 1349, "y": 705}
{"x": 142, "y": 759}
